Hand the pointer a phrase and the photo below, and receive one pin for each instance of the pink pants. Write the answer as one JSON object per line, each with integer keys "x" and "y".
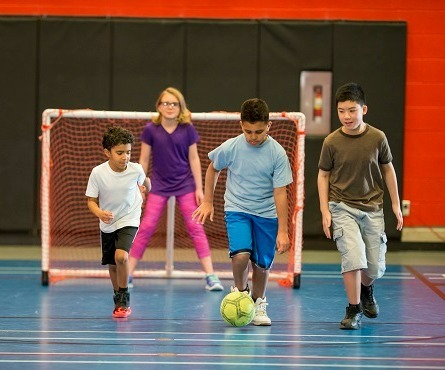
{"x": 153, "y": 212}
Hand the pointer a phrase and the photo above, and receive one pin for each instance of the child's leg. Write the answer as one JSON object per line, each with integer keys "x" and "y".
{"x": 348, "y": 238}
{"x": 264, "y": 232}
{"x": 124, "y": 239}
{"x": 366, "y": 280}
{"x": 187, "y": 205}
{"x": 239, "y": 234}
{"x": 375, "y": 240}
{"x": 351, "y": 280}
{"x": 260, "y": 278}
{"x": 152, "y": 213}
{"x": 122, "y": 268}
{"x": 240, "y": 270}
{"x": 113, "y": 277}
{"x": 108, "y": 242}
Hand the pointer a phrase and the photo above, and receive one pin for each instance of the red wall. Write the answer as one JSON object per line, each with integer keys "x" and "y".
{"x": 423, "y": 178}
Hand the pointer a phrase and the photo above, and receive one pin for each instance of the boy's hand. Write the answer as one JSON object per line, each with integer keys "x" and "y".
{"x": 202, "y": 212}
{"x": 143, "y": 190}
{"x": 326, "y": 220}
{"x": 283, "y": 243}
{"x": 106, "y": 216}
{"x": 398, "y": 213}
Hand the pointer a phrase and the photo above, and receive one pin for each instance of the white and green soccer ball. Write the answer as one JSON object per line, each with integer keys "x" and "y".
{"x": 237, "y": 309}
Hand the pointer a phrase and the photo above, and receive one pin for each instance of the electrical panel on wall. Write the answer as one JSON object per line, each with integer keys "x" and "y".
{"x": 315, "y": 101}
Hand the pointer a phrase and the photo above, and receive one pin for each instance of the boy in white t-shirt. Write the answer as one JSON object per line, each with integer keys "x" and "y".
{"x": 114, "y": 194}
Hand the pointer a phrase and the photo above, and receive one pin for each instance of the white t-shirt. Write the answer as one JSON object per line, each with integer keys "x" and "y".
{"x": 118, "y": 192}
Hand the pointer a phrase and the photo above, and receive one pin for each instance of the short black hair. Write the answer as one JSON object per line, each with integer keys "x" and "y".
{"x": 116, "y": 136}
{"x": 351, "y": 91}
{"x": 254, "y": 110}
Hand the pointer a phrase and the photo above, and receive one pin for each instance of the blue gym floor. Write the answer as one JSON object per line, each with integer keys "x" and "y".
{"x": 176, "y": 324}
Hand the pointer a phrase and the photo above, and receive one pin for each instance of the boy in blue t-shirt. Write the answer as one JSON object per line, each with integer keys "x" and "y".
{"x": 255, "y": 201}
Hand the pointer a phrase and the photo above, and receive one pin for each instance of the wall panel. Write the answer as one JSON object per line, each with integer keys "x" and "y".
{"x": 221, "y": 64}
{"x": 18, "y": 65}
{"x": 74, "y": 63}
{"x": 286, "y": 49}
{"x": 148, "y": 56}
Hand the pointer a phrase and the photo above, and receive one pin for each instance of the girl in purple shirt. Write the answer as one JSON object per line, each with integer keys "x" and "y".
{"x": 171, "y": 140}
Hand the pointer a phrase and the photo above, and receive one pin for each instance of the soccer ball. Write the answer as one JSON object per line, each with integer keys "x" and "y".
{"x": 237, "y": 309}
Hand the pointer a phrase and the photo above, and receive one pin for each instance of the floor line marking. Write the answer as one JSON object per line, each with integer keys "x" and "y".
{"x": 424, "y": 280}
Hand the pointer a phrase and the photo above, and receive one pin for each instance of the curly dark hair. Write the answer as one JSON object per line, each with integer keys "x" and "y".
{"x": 254, "y": 110}
{"x": 115, "y": 136}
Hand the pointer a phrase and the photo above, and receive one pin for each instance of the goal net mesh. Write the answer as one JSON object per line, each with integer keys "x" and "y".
{"x": 72, "y": 146}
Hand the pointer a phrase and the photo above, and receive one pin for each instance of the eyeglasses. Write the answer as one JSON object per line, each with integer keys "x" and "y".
{"x": 169, "y": 104}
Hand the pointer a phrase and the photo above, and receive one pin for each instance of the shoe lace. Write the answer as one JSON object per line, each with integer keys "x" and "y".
{"x": 261, "y": 309}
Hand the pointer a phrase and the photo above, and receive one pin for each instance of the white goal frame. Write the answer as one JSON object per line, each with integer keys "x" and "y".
{"x": 49, "y": 118}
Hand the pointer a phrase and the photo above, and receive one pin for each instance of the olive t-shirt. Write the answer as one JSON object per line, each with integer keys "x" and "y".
{"x": 354, "y": 165}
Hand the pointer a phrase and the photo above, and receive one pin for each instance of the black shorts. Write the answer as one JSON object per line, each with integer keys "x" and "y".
{"x": 119, "y": 239}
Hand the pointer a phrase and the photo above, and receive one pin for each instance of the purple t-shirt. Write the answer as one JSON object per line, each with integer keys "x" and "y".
{"x": 170, "y": 170}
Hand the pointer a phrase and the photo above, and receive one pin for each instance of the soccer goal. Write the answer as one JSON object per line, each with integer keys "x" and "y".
{"x": 72, "y": 146}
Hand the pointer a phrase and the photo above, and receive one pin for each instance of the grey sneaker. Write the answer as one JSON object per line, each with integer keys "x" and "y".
{"x": 261, "y": 317}
{"x": 213, "y": 283}
{"x": 369, "y": 304}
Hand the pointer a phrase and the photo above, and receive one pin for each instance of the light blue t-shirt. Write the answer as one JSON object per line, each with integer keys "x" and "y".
{"x": 252, "y": 174}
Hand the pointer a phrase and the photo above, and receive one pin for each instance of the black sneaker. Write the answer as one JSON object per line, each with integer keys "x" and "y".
{"x": 125, "y": 299}
{"x": 116, "y": 299}
{"x": 353, "y": 317}
{"x": 122, "y": 304}
{"x": 369, "y": 304}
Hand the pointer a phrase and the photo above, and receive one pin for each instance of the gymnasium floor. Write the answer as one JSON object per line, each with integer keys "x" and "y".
{"x": 176, "y": 324}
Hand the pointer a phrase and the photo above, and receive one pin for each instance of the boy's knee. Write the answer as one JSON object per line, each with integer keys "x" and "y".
{"x": 375, "y": 271}
{"x": 121, "y": 256}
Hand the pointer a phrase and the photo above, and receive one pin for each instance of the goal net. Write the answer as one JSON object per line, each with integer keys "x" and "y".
{"x": 72, "y": 146}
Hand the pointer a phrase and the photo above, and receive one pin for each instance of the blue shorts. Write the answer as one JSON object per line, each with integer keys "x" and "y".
{"x": 360, "y": 238}
{"x": 254, "y": 235}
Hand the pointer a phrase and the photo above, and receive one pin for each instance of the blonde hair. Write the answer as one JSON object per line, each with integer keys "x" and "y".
{"x": 184, "y": 114}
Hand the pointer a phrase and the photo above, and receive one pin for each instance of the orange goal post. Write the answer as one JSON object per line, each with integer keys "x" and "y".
{"x": 71, "y": 145}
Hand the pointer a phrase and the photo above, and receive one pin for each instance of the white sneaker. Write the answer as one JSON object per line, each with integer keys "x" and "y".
{"x": 261, "y": 317}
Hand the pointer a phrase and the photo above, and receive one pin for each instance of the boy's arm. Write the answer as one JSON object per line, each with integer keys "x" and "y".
{"x": 145, "y": 187}
{"x": 93, "y": 206}
{"x": 281, "y": 204}
{"x": 206, "y": 208}
{"x": 323, "y": 195}
{"x": 389, "y": 174}
{"x": 195, "y": 166}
